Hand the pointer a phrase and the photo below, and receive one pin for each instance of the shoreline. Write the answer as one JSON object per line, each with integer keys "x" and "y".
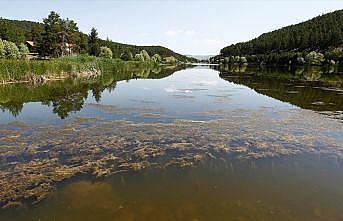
{"x": 38, "y": 71}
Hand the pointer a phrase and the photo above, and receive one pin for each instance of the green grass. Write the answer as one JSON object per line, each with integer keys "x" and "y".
{"x": 18, "y": 70}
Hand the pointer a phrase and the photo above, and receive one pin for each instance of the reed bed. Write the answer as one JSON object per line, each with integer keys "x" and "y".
{"x": 20, "y": 70}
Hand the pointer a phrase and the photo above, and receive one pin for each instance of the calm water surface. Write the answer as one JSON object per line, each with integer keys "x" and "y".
{"x": 250, "y": 144}
{"x": 179, "y": 95}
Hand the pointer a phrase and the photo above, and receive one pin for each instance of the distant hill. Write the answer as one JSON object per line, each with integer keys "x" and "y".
{"x": 21, "y": 31}
{"x": 320, "y": 33}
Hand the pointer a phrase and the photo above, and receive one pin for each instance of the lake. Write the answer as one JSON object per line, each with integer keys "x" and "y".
{"x": 175, "y": 143}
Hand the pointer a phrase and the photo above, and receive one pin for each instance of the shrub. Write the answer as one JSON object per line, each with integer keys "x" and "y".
{"x": 2, "y": 49}
{"x": 335, "y": 54}
{"x": 145, "y": 55}
{"x": 170, "y": 59}
{"x": 11, "y": 50}
{"x": 243, "y": 60}
{"x": 139, "y": 57}
{"x": 157, "y": 58}
{"x": 315, "y": 58}
{"x": 126, "y": 56}
{"x": 24, "y": 51}
{"x": 105, "y": 52}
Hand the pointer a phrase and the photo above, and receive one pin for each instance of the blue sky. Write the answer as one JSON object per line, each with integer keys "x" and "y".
{"x": 188, "y": 27}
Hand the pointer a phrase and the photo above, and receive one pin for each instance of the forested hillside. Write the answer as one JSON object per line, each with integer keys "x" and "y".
{"x": 21, "y": 31}
{"x": 320, "y": 34}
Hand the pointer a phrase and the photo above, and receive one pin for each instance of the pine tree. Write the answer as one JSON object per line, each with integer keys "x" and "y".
{"x": 93, "y": 43}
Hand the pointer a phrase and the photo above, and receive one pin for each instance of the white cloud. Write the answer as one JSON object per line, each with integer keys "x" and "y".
{"x": 179, "y": 32}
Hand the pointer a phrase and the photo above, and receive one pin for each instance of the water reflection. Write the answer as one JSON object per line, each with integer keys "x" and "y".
{"x": 310, "y": 88}
{"x": 314, "y": 88}
{"x": 200, "y": 156}
{"x": 70, "y": 95}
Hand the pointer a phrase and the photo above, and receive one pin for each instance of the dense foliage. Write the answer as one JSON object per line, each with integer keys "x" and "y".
{"x": 126, "y": 56}
{"x": 156, "y": 58}
{"x": 57, "y": 35}
{"x": 291, "y": 44}
{"x": 93, "y": 43}
{"x": 20, "y": 31}
{"x": 139, "y": 57}
{"x": 105, "y": 52}
{"x": 9, "y": 50}
{"x": 23, "y": 51}
{"x": 54, "y": 32}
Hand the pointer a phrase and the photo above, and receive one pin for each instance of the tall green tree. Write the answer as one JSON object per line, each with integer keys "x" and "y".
{"x": 50, "y": 42}
{"x": 82, "y": 44}
{"x": 93, "y": 43}
{"x": 58, "y": 35}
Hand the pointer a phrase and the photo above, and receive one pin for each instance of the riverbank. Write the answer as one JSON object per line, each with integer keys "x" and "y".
{"x": 35, "y": 71}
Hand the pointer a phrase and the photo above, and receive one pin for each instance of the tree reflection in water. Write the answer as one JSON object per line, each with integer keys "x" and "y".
{"x": 314, "y": 88}
{"x": 70, "y": 95}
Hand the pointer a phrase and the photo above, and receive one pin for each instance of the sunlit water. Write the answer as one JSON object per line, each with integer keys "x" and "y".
{"x": 180, "y": 95}
{"x": 296, "y": 185}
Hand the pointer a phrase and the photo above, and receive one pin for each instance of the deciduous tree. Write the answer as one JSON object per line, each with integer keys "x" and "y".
{"x": 105, "y": 52}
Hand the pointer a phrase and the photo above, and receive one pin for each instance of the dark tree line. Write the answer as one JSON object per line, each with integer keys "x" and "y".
{"x": 318, "y": 34}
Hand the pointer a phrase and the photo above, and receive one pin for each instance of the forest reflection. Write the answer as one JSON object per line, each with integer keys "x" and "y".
{"x": 70, "y": 95}
{"x": 314, "y": 88}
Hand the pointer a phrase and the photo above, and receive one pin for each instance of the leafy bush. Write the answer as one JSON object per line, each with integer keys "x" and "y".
{"x": 335, "y": 54}
{"x": 170, "y": 59}
{"x": 315, "y": 58}
{"x": 145, "y": 55}
{"x": 157, "y": 58}
{"x": 105, "y": 52}
{"x": 139, "y": 57}
{"x": 11, "y": 50}
{"x": 24, "y": 51}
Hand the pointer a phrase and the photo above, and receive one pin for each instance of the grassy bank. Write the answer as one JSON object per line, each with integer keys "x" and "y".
{"x": 29, "y": 70}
